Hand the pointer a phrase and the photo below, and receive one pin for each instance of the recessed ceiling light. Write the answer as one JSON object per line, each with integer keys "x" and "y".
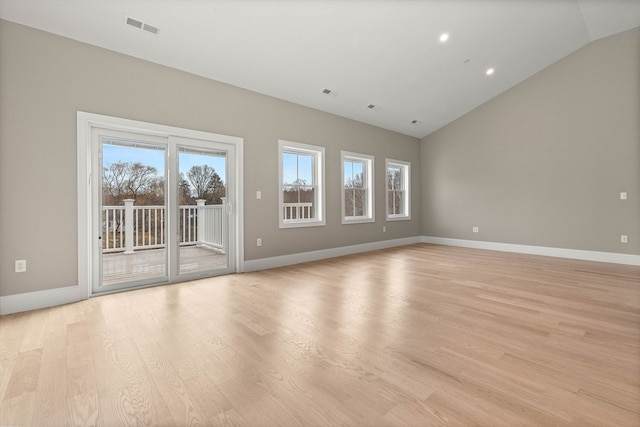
{"x": 444, "y": 37}
{"x": 490, "y": 71}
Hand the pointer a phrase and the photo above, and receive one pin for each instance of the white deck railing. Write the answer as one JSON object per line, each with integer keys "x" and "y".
{"x": 203, "y": 225}
{"x": 297, "y": 210}
{"x": 129, "y": 228}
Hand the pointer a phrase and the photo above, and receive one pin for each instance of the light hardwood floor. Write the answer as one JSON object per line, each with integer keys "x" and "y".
{"x": 421, "y": 335}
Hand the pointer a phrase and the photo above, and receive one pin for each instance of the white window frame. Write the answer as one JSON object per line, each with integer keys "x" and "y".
{"x": 405, "y": 168}
{"x": 367, "y": 173}
{"x": 317, "y": 153}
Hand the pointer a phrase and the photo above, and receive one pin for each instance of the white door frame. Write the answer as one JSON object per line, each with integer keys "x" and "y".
{"x": 86, "y": 122}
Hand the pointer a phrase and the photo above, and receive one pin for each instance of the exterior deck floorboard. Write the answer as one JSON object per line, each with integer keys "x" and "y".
{"x": 145, "y": 264}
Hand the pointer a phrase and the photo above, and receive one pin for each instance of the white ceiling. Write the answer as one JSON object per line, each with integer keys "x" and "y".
{"x": 385, "y": 53}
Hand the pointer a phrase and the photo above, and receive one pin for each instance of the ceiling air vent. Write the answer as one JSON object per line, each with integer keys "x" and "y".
{"x": 134, "y": 22}
{"x": 416, "y": 122}
{"x": 141, "y": 25}
{"x": 373, "y": 107}
{"x": 330, "y": 92}
{"x": 150, "y": 28}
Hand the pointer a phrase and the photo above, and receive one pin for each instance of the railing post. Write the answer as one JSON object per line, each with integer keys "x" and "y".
{"x": 223, "y": 227}
{"x": 200, "y": 222}
{"x": 128, "y": 226}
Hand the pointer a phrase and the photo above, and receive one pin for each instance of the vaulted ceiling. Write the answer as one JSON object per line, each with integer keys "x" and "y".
{"x": 382, "y": 62}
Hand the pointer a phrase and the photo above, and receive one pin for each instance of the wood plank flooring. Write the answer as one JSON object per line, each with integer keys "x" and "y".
{"x": 420, "y": 335}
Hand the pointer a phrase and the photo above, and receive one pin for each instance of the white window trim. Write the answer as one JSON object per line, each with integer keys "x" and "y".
{"x": 406, "y": 170}
{"x": 318, "y": 173}
{"x": 369, "y": 187}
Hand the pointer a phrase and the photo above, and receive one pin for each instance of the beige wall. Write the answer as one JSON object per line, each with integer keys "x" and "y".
{"x": 45, "y": 79}
{"x": 544, "y": 163}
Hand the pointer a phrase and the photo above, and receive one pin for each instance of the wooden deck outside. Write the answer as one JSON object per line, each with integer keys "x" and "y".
{"x": 145, "y": 264}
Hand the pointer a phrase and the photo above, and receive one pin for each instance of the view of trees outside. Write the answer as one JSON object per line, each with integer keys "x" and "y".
{"x": 395, "y": 189}
{"x": 131, "y": 180}
{"x": 201, "y": 182}
{"x": 135, "y": 173}
{"x": 298, "y": 183}
{"x": 354, "y": 189}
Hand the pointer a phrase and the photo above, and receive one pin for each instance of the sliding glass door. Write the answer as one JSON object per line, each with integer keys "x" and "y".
{"x": 161, "y": 209}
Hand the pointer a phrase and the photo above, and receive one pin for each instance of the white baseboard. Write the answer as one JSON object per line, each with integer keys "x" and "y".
{"x": 284, "y": 260}
{"x": 611, "y": 257}
{"x": 41, "y": 299}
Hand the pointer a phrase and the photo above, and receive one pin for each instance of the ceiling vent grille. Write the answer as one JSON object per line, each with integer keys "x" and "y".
{"x": 150, "y": 28}
{"x": 136, "y": 23}
{"x": 330, "y": 92}
{"x": 416, "y": 122}
{"x": 373, "y": 107}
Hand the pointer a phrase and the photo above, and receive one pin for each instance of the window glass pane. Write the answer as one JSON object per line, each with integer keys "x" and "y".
{"x": 393, "y": 206}
{"x": 394, "y": 178}
{"x": 290, "y": 194}
{"x": 298, "y": 202}
{"x": 297, "y": 169}
{"x": 399, "y": 201}
{"x": 354, "y": 174}
{"x": 349, "y": 202}
{"x": 355, "y": 202}
{"x": 358, "y": 174}
{"x": 306, "y": 194}
{"x": 289, "y": 168}
{"x": 348, "y": 173}
{"x": 305, "y": 169}
{"x": 360, "y": 202}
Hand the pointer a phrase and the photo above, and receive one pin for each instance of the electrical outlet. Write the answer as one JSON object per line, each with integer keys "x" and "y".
{"x": 624, "y": 238}
{"x": 384, "y": 228}
{"x": 21, "y": 265}
{"x": 623, "y": 195}
{"x": 476, "y": 229}
{"x": 259, "y": 241}
{"x": 258, "y": 194}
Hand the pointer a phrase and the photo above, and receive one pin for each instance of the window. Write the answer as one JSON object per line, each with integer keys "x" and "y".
{"x": 357, "y": 188}
{"x": 398, "y": 190}
{"x": 301, "y": 185}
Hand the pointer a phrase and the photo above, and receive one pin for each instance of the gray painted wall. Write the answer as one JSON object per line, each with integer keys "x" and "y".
{"x": 541, "y": 164}
{"x": 544, "y": 163}
{"x": 45, "y": 79}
